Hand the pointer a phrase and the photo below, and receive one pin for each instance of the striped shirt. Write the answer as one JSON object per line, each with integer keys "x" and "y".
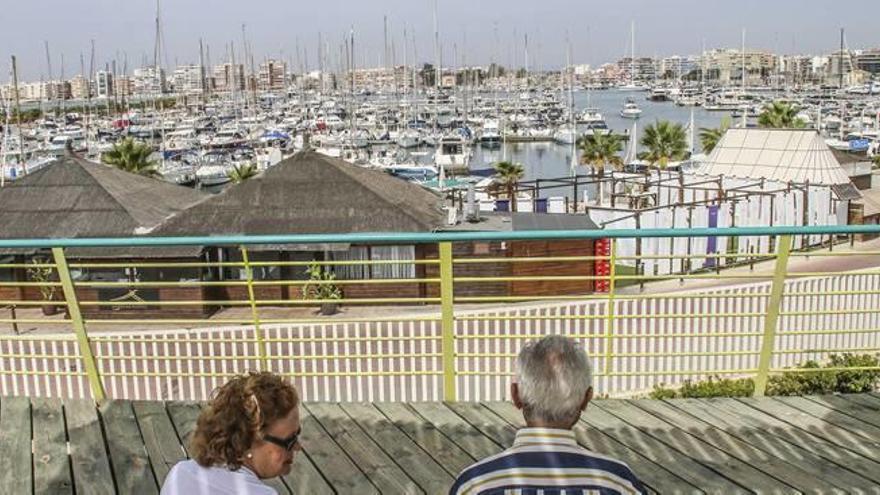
{"x": 546, "y": 461}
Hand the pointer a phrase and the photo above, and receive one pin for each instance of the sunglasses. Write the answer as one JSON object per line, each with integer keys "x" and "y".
{"x": 285, "y": 443}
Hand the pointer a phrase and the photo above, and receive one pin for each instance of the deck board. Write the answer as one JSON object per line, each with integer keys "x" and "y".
{"x": 88, "y": 454}
{"x": 128, "y": 455}
{"x": 757, "y": 434}
{"x": 16, "y": 475}
{"x": 51, "y": 468}
{"x": 820, "y": 444}
{"x": 792, "y": 475}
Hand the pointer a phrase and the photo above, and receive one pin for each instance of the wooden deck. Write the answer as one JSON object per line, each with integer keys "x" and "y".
{"x": 828, "y": 444}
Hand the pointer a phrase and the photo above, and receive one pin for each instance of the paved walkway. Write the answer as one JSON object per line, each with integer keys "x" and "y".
{"x": 825, "y": 444}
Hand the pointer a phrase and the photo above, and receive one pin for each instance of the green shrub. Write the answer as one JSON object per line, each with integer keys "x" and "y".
{"x": 791, "y": 383}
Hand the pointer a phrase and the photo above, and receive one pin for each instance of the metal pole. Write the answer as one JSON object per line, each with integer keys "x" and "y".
{"x": 771, "y": 318}
{"x": 79, "y": 326}
{"x": 609, "y": 310}
{"x": 447, "y": 312}
{"x": 255, "y": 314}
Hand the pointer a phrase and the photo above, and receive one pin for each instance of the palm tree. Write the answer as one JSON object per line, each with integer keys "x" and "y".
{"x": 132, "y": 156}
{"x": 241, "y": 173}
{"x": 599, "y": 150}
{"x": 664, "y": 142}
{"x": 780, "y": 115}
{"x": 710, "y": 136}
{"x": 509, "y": 173}
{"x": 876, "y": 161}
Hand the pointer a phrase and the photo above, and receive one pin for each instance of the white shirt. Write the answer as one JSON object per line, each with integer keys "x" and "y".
{"x": 189, "y": 478}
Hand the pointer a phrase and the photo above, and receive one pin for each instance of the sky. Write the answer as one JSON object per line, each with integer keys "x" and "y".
{"x": 472, "y": 31}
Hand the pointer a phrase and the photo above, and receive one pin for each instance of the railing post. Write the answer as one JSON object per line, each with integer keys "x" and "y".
{"x": 447, "y": 321}
{"x": 609, "y": 310}
{"x": 255, "y": 313}
{"x": 771, "y": 318}
{"x": 79, "y": 326}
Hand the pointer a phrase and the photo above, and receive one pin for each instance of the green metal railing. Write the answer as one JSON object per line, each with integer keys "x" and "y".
{"x": 443, "y": 280}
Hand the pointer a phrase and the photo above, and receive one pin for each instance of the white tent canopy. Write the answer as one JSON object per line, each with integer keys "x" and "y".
{"x": 784, "y": 155}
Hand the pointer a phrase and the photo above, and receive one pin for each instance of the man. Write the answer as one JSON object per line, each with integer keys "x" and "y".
{"x": 553, "y": 386}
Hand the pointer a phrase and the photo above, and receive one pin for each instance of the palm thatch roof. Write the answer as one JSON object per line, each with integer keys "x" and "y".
{"x": 310, "y": 193}
{"x": 75, "y": 198}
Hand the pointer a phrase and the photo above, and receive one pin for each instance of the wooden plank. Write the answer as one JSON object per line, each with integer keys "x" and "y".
{"x": 864, "y": 400}
{"x": 457, "y": 429}
{"x": 16, "y": 475}
{"x": 88, "y": 454}
{"x": 819, "y": 427}
{"x": 695, "y": 448}
{"x": 869, "y": 414}
{"x": 683, "y": 466}
{"x": 331, "y": 461}
{"x": 160, "y": 438}
{"x": 820, "y": 445}
{"x": 760, "y": 435}
{"x": 654, "y": 476}
{"x": 489, "y": 424}
{"x": 305, "y": 477}
{"x": 427, "y": 436}
{"x": 51, "y": 467}
{"x": 790, "y": 474}
{"x": 184, "y": 416}
{"x": 830, "y": 415}
{"x": 131, "y": 465}
{"x": 414, "y": 461}
{"x": 375, "y": 464}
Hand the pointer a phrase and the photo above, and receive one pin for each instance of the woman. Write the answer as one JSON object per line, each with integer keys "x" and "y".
{"x": 249, "y": 432}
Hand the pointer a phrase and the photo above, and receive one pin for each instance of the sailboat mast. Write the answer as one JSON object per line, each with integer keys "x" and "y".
{"x": 632, "y": 55}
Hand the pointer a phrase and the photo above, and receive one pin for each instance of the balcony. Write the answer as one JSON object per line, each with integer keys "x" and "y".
{"x": 406, "y": 384}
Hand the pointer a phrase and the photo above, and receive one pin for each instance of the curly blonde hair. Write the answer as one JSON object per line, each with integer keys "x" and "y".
{"x": 236, "y": 416}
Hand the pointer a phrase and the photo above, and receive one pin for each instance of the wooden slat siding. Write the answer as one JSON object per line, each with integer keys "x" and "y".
{"x": 466, "y": 250}
{"x": 51, "y": 467}
{"x": 15, "y": 445}
{"x": 535, "y": 249}
{"x": 88, "y": 454}
{"x": 696, "y": 448}
{"x": 414, "y": 461}
{"x": 485, "y": 421}
{"x": 376, "y": 465}
{"x": 184, "y": 416}
{"x": 336, "y": 465}
{"x": 790, "y": 474}
{"x": 197, "y": 310}
{"x": 683, "y": 466}
{"x": 457, "y": 429}
{"x": 829, "y": 414}
{"x": 654, "y": 476}
{"x": 160, "y": 438}
{"x": 819, "y": 445}
{"x": 756, "y": 434}
{"x": 818, "y": 427}
{"x": 131, "y": 465}
{"x": 428, "y": 437}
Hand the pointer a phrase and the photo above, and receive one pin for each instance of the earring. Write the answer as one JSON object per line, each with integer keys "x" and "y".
{"x": 250, "y": 455}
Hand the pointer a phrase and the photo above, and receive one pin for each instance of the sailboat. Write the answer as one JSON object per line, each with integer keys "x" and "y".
{"x": 632, "y": 86}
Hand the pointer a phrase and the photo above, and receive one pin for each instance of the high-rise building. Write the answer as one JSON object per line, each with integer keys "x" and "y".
{"x": 272, "y": 76}
{"x": 725, "y": 66}
{"x": 104, "y": 84}
{"x": 228, "y": 77}
{"x": 869, "y": 61}
{"x": 643, "y": 68}
{"x": 80, "y": 88}
{"x": 149, "y": 81}
{"x": 189, "y": 79}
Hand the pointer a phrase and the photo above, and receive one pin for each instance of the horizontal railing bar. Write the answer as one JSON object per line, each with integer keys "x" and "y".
{"x": 195, "y": 374}
{"x": 555, "y": 259}
{"x": 827, "y": 351}
{"x": 830, "y": 312}
{"x": 241, "y": 264}
{"x": 134, "y": 357}
{"x": 28, "y": 265}
{"x": 271, "y": 302}
{"x": 294, "y": 340}
{"x": 621, "y": 355}
{"x": 827, "y": 332}
{"x": 433, "y": 237}
{"x": 42, "y": 373}
{"x": 599, "y": 335}
{"x": 819, "y": 370}
{"x": 269, "y": 283}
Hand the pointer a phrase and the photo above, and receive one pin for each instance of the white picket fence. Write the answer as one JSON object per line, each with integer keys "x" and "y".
{"x": 401, "y": 361}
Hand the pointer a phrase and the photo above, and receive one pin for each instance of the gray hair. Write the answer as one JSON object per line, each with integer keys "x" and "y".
{"x": 553, "y": 375}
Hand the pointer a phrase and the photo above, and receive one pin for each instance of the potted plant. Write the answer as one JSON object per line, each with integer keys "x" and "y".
{"x": 321, "y": 287}
{"x": 43, "y": 275}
